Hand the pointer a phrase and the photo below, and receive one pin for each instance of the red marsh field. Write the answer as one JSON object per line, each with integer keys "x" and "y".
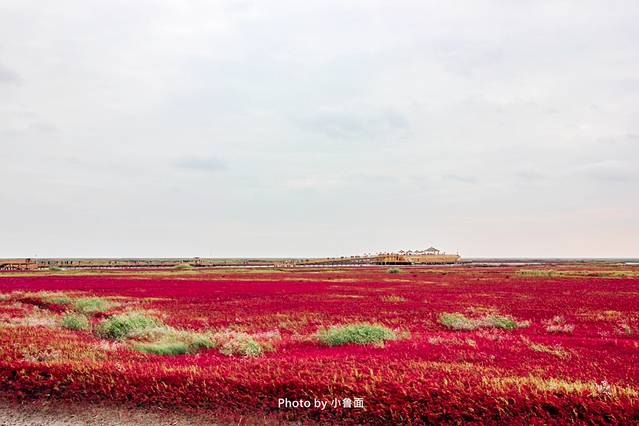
{"x": 524, "y": 345}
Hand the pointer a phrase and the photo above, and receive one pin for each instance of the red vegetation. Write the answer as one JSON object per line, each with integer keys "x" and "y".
{"x": 432, "y": 374}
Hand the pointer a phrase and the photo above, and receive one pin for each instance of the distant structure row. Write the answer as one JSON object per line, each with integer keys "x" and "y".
{"x": 429, "y": 256}
{"x": 77, "y": 263}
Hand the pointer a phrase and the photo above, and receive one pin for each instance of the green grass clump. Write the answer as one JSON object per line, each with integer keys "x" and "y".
{"x": 165, "y": 340}
{"x": 122, "y": 326}
{"x": 241, "y": 344}
{"x": 460, "y": 322}
{"x": 457, "y": 321}
{"x": 551, "y": 273}
{"x": 63, "y": 300}
{"x": 498, "y": 321}
{"x": 92, "y": 305}
{"x": 73, "y": 321}
{"x": 196, "y": 340}
{"x": 359, "y": 333}
{"x": 162, "y": 348}
{"x": 55, "y": 298}
{"x": 543, "y": 273}
{"x": 183, "y": 266}
{"x": 393, "y": 271}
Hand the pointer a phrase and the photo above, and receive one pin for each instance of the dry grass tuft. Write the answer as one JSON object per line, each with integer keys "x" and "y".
{"x": 452, "y": 341}
{"x": 556, "y": 350}
{"x": 591, "y": 388}
{"x": 393, "y": 299}
{"x": 557, "y": 324}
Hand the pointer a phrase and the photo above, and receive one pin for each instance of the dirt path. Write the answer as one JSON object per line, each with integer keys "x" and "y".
{"x": 44, "y": 413}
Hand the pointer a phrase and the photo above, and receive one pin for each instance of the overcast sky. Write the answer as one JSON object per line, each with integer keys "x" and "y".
{"x": 311, "y": 128}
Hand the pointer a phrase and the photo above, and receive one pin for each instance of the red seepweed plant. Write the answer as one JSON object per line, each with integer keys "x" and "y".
{"x": 236, "y": 343}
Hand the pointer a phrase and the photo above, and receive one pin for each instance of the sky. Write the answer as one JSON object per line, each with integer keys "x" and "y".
{"x": 318, "y": 128}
